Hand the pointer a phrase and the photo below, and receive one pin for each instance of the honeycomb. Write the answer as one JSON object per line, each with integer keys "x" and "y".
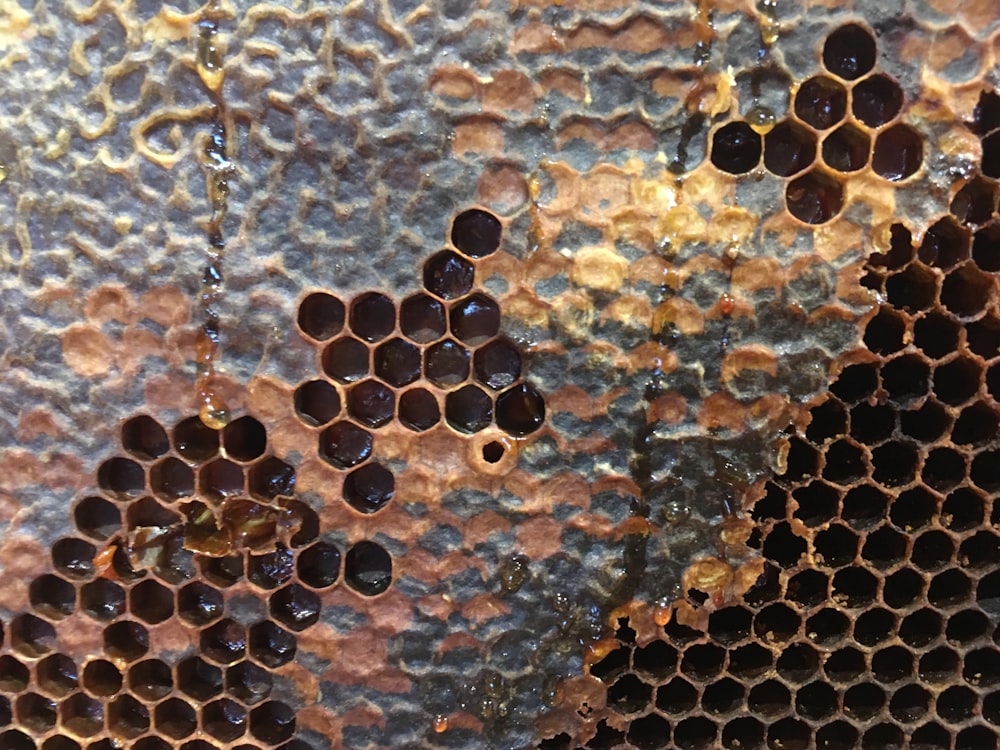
{"x": 588, "y": 374}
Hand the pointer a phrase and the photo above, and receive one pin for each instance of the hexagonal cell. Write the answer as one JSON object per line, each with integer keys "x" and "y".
{"x": 372, "y": 403}
{"x": 905, "y": 378}
{"x": 225, "y": 642}
{"x": 769, "y": 698}
{"x": 629, "y": 694}
{"x": 963, "y": 510}
{"x": 35, "y": 712}
{"x": 150, "y": 679}
{"x": 736, "y": 148}
{"x": 248, "y": 683}
{"x": 127, "y": 717}
{"x": 876, "y": 100}
{"x": 899, "y": 152}
{"x": 902, "y": 588}
{"x": 56, "y": 675}
{"x": 198, "y": 679}
{"x": 967, "y": 291}
{"x": 418, "y": 409}
{"x": 319, "y": 565}
{"x": 81, "y": 715}
{"x": 864, "y": 506}
{"x": 244, "y": 439}
{"x": 846, "y": 149}
{"x": 986, "y": 247}
{"x": 14, "y": 676}
{"x": 821, "y": 102}
{"x": 97, "y": 518}
{"x": 221, "y": 479}
{"x": 493, "y": 451}
{"x": 702, "y": 661}
{"x": 175, "y": 718}
{"x": 271, "y": 645}
{"x": 677, "y": 696}
{"x": 308, "y": 523}
{"x": 475, "y": 319}
{"x": 368, "y": 568}
{"x": 171, "y": 479}
{"x": 827, "y": 628}
{"x": 316, "y": 402}
{"x": 373, "y": 316}
{"x": 151, "y": 602}
{"x": 932, "y": 550}
{"x": 957, "y": 381}
{"x": 892, "y": 664}
{"x": 369, "y": 488}
{"x": 321, "y": 316}
{"x": 884, "y": 547}
{"x": 723, "y": 697}
{"x": 31, "y": 636}
{"x": 914, "y": 289}
{"x": 294, "y": 606}
{"x": 270, "y": 570}
{"x": 144, "y": 438}
{"x": 344, "y": 444}
{"x": 946, "y": 243}
{"x": 346, "y": 360}
{"x": 476, "y": 233}
{"x": 448, "y": 275}
{"x": 422, "y": 319}
{"x": 16, "y": 740}
{"x": 468, "y": 409}
{"x": 788, "y": 148}
{"x": 52, "y": 597}
{"x": 497, "y": 364}
{"x": 121, "y": 476}
{"x": 194, "y": 440}
{"x": 815, "y": 197}
{"x": 943, "y": 469}
{"x": 397, "y": 362}
{"x": 125, "y": 640}
{"x": 975, "y": 203}
{"x": 224, "y": 720}
{"x": 271, "y": 479}
{"x": 872, "y": 425}
{"x": 849, "y": 52}
{"x": 102, "y": 599}
{"x": 222, "y": 571}
{"x": 272, "y": 722}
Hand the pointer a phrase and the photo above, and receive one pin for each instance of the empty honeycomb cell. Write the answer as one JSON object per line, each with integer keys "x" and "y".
{"x": 976, "y": 737}
{"x": 729, "y": 625}
{"x": 927, "y": 424}
{"x": 892, "y": 664}
{"x": 741, "y": 733}
{"x": 649, "y": 732}
{"x": 695, "y": 732}
{"x": 199, "y": 679}
{"x": 127, "y": 718}
{"x": 936, "y": 334}
{"x": 14, "y": 676}
{"x": 126, "y": 640}
{"x": 344, "y": 444}
{"x": 244, "y": 439}
{"x": 855, "y": 382}
{"x": 171, "y": 479}
{"x": 81, "y": 715}
{"x": 977, "y": 425}
{"x": 845, "y": 463}
{"x": 788, "y": 148}
{"x": 783, "y": 546}
{"x": 446, "y": 363}
{"x": 864, "y": 505}
{"x": 821, "y": 102}
{"x": 270, "y": 644}
{"x": 874, "y": 626}
{"x": 980, "y": 550}
{"x": 151, "y": 602}
{"x": 422, "y": 319}
{"x": 175, "y": 718}
{"x": 397, "y": 362}
{"x": 789, "y": 733}
{"x": 121, "y": 476}
{"x": 13, "y": 739}
{"x": 827, "y": 421}
{"x": 144, "y": 438}
{"x": 815, "y": 197}
{"x": 846, "y": 149}
{"x": 220, "y": 479}
{"x": 991, "y": 155}
{"x": 372, "y": 403}
{"x": 150, "y": 679}
{"x": 902, "y": 588}
{"x": 943, "y": 469}
{"x": 35, "y": 712}
{"x": 475, "y": 319}
{"x": 816, "y": 701}
{"x": 294, "y": 606}
{"x": 885, "y": 332}
{"x": 967, "y": 626}
{"x": 272, "y": 722}
{"x": 802, "y": 460}
{"x": 702, "y": 662}
{"x": 817, "y": 503}
{"x": 31, "y": 636}
{"x": 776, "y": 623}
{"x": 678, "y": 696}
{"x": 967, "y": 291}
{"x": 844, "y": 665}
{"x": 914, "y": 289}
{"x": 368, "y": 568}
{"x": 248, "y": 683}
{"x": 808, "y": 588}
{"x": 956, "y": 704}
{"x": 798, "y": 663}
{"x": 321, "y": 316}
{"x": 986, "y": 245}
{"x": 876, "y": 100}
{"x": 898, "y": 153}
{"x": 905, "y": 378}
{"x": 225, "y": 642}
{"x": 369, "y": 488}
{"x": 97, "y": 518}
{"x": 224, "y": 720}
{"x": 56, "y": 675}
{"x": 469, "y": 409}
{"x": 826, "y": 628}
{"x": 448, "y": 275}
{"x": 346, "y": 360}
{"x": 909, "y": 703}
{"x": 985, "y": 471}
{"x": 849, "y": 52}
{"x": 981, "y": 668}
{"x": 520, "y": 410}
{"x": 769, "y": 699}
{"x": 319, "y": 565}
{"x": 418, "y": 409}
{"x": 102, "y": 599}
{"x": 195, "y": 441}
{"x": 837, "y": 735}
{"x": 957, "y": 381}
{"x": 723, "y": 697}
{"x": 52, "y": 597}
{"x": 222, "y": 571}
{"x": 884, "y": 547}
{"x": 736, "y": 148}
{"x": 654, "y": 660}
{"x": 950, "y": 588}
{"x": 476, "y": 233}
{"x": 749, "y": 662}
{"x": 854, "y": 587}
{"x": 882, "y": 736}
{"x": 932, "y": 550}
{"x": 373, "y": 316}
{"x": 872, "y": 423}
{"x": 629, "y": 695}
{"x": 991, "y": 708}
{"x": 975, "y": 203}
{"x": 938, "y": 666}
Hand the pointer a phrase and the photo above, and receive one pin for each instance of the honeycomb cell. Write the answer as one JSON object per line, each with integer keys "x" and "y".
{"x": 35, "y": 712}
{"x": 649, "y": 732}
{"x": 967, "y": 291}
{"x": 702, "y": 662}
{"x": 905, "y": 378}
{"x": 986, "y": 245}
{"x": 144, "y": 438}
{"x": 798, "y": 663}
{"x": 121, "y": 476}
{"x": 369, "y": 488}
{"x": 126, "y": 640}
{"x": 270, "y": 644}
{"x": 749, "y": 662}
{"x": 476, "y": 233}
{"x": 52, "y": 597}
{"x": 294, "y": 606}
{"x": 493, "y": 451}
{"x": 31, "y": 636}
{"x": 446, "y": 363}
{"x": 15, "y": 740}
{"x": 817, "y": 503}
{"x": 346, "y": 360}
{"x": 397, "y": 362}
{"x": 845, "y": 463}
{"x": 729, "y": 625}
{"x": 815, "y": 197}
{"x": 520, "y": 410}
{"x": 373, "y": 316}
{"x": 909, "y": 703}
{"x": 920, "y": 627}
{"x": 892, "y": 664}
{"x": 195, "y": 441}
{"x": 898, "y": 153}
{"x": 967, "y": 626}
{"x": 224, "y": 720}
{"x": 655, "y": 660}
{"x": 849, "y": 52}
{"x": 976, "y": 425}
{"x": 271, "y": 569}
{"x": 956, "y": 704}
{"x": 171, "y": 479}
{"x": 321, "y": 316}
{"x": 821, "y": 102}
{"x": 81, "y": 715}
{"x": 945, "y": 244}
{"x": 736, "y": 148}
{"x": 222, "y": 571}
{"x": 744, "y": 732}
{"x": 475, "y": 319}
{"x": 199, "y": 679}
{"x": 776, "y": 623}
{"x": 863, "y": 506}
{"x": 308, "y": 526}
{"x": 723, "y": 697}
{"x": 225, "y": 642}
{"x": 448, "y": 275}
{"x": 788, "y": 148}
{"x": 102, "y": 599}
{"x": 368, "y": 568}
{"x": 175, "y": 718}
{"x": 244, "y": 439}
{"x": 876, "y": 100}
{"x": 14, "y": 676}
{"x": 769, "y": 699}
{"x": 874, "y": 626}
{"x": 56, "y": 675}
{"x": 97, "y": 518}
{"x": 816, "y": 701}
{"x": 827, "y": 628}
{"x": 127, "y": 718}
{"x": 808, "y": 588}
{"x": 344, "y": 444}
{"x": 975, "y": 203}
{"x": 422, "y": 319}
{"x": 855, "y": 382}
{"x": 783, "y": 546}
{"x": 418, "y": 409}
{"x": 913, "y": 290}
{"x": 991, "y": 155}
{"x": 469, "y": 409}
{"x": 221, "y": 479}
{"x": 629, "y": 695}
{"x": 271, "y": 479}
{"x": 884, "y": 547}
{"x": 949, "y": 589}
{"x": 248, "y": 683}
{"x": 957, "y": 381}
{"x": 846, "y": 149}
{"x": 982, "y": 667}
{"x": 151, "y": 602}
{"x": 372, "y": 403}
{"x": 677, "y": 696}
{"x": 985, "y": 471}
{"x": 980, "y": 550}
{"x": 902, "y": 588}
{"x": 150, "y": 679}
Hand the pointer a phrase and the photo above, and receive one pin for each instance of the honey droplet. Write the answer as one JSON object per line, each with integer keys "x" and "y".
{"x": 761, "y": 120}
{"x": 726, "y": 303}
{"x": 440, "y": 724}
{"x": 213, "y": 417}
{"x": 662, "y": 614}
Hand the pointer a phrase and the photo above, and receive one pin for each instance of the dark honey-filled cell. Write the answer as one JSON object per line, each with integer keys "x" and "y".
{"x": 244, "y": 439}
{"x": 14, "y": 676}
{"x": 194, "y": 441}
{"x": 248, "y": 683}
{"x": 876, "y": 100}
{"x": 373, "y": 316}
{"x": 222, "y": 571}
{"x": 788, "y": 148}
{"x": 976, "y": 202}
{"x": 199, "y": 679}
{"x": 368, "y": 568}
{"x": 271, "y": 569}
{"x": 144, "y": 438}
{"x": 520, "y": 410}
{"x": 898, "y": 153}
{"x": 371, "y": 403}
{"x": 448, "y": 275}
{"x": 319, "y": 565}
{"x": 270, "y": 644}
{"x": 814, "y": 198}
{"x": 344, "y": 444}
{"x": 35, "y": 712}
{"x": 97, "y": 518}
{"x": 74, "y": 558}
{"x": 849, "y": 52}
{"x": 102, "y": 599}
{"x": 468, "y": 409}
{"x": 294, "y": 606}
{"x": 224, "y": 642}
{"x": 397, "y": 362}
{"x": 31, "y": 636}
{"x": 321, "y": 315}
{"x": 220, "y": 479}
{"x": 82, "y": 716}
{"x": 846, "y": 148}
{"x": 368, "y": 488}
{"x": 736, "y": 148}
{"x": 56, "y": 675}
{"x": 476, "y": 233}
{"x": 121, "y": 476}
{"x": 821, "y": 102}
{"x": 475, "y": 319}
{"x": 151, "y": 602}
{"x": 346, "y": 360}
{"x": 150, "y": 679}
{"x": 224, "y": 720}
{"x": 446, "y": 363}
{"x": 418, "y": 409}
{"x": 270, "y": 479}
{"x": 422, "y": 319}
{"x": 199, "y": 604}
{"x": 272, "y": 722}
{"x": 126, "y": 640}
{"x": 171, "y": 479}
{"x": 175, "y": 718}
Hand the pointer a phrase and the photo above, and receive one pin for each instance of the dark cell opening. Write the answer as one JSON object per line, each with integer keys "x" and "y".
{"x": 909, "y": 703}
{"x": 294, "y": 606}
{"x": 936, "y": 334}
{"x": 476, "y": 233}
{"x": 346, "y": 360}
{"x": 789, "y": 148}
{"x": 199, "y": 603}
{"x": 956, "y": 704}
{"x": 967, "y": 626}
{"x": 783, "y": 546}
{"x": 821, "y": 102}
{"x": 248, "y": 683}
{"x": 171, "y": 479}
{"x": 422, "y": 319}
{"x": 319, "y": 565}
{"x": 991, "y": 155}
{"x": 802, "y": 460}
{"x": 838, "y": 735}
{"x": 369, "y": 488}
{"x": 985, "y": 471}
{"x": 677, "y": 696}
{"x": 892, "y": 664}
{"x": 224, "y": 642}
{"x": 703, "y": 661}
{"x": 874, "y": 626}
{"x": 174, "y": 718}
{"x": 913, "y": 289}
{"x": 876, "y": 100}
{"x": 729, "y": 625}
{"x": 446, "y": 363}
{"x": 371, "y": 403}
{"x": 872, "y": 424}
{"x": 776, "y": 623}
{"x": 898, "y": 154}
{"x": 368, "y": 568}
{"x": 884, "y": 547}
{"x": 854, "y": 587}
{"x": 957, "y": 381}
{"x": 102, "y": 599}
{"x": 846, "y": 149}
{"x": 271, "y": 479}
{"x": 74, "y": 558}
{"x": 926, "y": 424}
{"x": 448, "y": 275}
{"x": 222, "y": 571}
{"x": 199, "y": 679}
{"x": 943, "y": 469}
{"x": 224, "y": 720}
{"x": 723, "y": 697}
{"x": 814, "y": 198}
{"x": 844, "y": 665}
{"x": 271, "y": 645}
{"x": 744, "y": 732}
{"x": 986, "y": 115}
{"x": 817, "y": 503}
{"x": 749, "y": 662}
{"x": 121, "y": 476}
{"x": 520, "y": 410}
{"x": 656, "y": 659}
{"x": 418, "y": 409}
{"x": 849, "y": 52}
{"x": 827, "y": 628}
{"x": 97, "y": 518}
{"x": 949, "y": 589}
{"x": 695, "y": 732}
{"x": 967, "y": 291}
{"x": 845, "y": 463}
{"x": 649, "y": 732}
{"x": 986, "y": 247}
{"x": 855, "y": 382}
{"x": 736, "y": 148}
{"x": 397, "y": 362}
{"x": 493, "y": 451}
{"x": 864, "y": 506}
{"x": 905, "y": 378}
{"x": 629, "y": 694}
{"x": 616, "y": 662}
{"x": 194, "y": 441}
{"x": 220, "y": 479}
{"x": 475, "y": 319}
{"x": 272, "y": 722}
{"x": 808, "y": 588}
{"x": 244, "y": 439}
{"x": 932, "y": 550}
{"x": 150, "y": 679}
{"x": 321, "y": 316}
{"x": 373, "y": 316}
{"x": 126, "y": 640}
{"x": 271, "y": 569}
{"x": 151, "y": 602}
{"x": 902, "y": 588}
{"x": 975, "y": 203}
{"x": 884, "y": 333}
{"x": 769, "y": 699}
{"x": 56, "y": 675}
{"x": 144, "y": 438}
{"x": 344, "y": 444}
{"x": 798, "y": 663}
{"x": 829, "y": 420}
{"x": 468, "y": 409}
